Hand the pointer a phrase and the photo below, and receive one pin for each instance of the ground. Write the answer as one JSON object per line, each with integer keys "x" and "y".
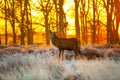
{"x": 35, "y": 62}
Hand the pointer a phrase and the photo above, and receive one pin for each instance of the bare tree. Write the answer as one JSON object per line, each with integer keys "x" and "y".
{"x": 6, "y": 36}
{"x": 77, "y": 27}
{"x": 28, "y": 23}
{"x": 60, "y": 16}
{"x": 25, "y": 23}
{"x": 13, "y": 22}
{"x": 45, "y": 7}
{"x": 84, "y": 9}
{"x": 117, "y": 19}
{"x": 112, "y": 9}
{"x": 94, "y": 27}
{"x": 22, "y": 36}
{"x": 109, "y": 9}
{"x": 11, "y": 17}
{"x": 9, "y": 12}
{"x": 56, "y": 3}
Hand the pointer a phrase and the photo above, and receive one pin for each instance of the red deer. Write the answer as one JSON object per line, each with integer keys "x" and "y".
{"x": 65, "y": 43}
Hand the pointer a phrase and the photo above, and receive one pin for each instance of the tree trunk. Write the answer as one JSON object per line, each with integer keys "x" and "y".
{"x": 57, "y": 13}
{"x": 6, "y": 35}
{"x": 110, "y": 33}
{"x": 61, "y": 18}
{"x": 94, "y": 27}
{"x": 13, "y": 23}
{"x": 31, "y": 30}
{"x": 117, "y": 16}
{"x": 22, "y": 41}
{"x": 27, "y": 23}
{"x": 77, "y": 27}
{"x": 47, "y": 29}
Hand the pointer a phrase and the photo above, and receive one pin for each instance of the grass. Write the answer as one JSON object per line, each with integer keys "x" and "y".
{"x": 32, "y": 66}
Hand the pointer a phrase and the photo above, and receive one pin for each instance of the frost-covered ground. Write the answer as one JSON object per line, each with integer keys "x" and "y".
{"x": 34, "y": 62}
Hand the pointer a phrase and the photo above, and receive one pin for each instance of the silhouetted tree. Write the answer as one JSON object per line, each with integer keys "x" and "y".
{"x": 21, "y": 25}
{"x": 77, "y": 27}
{"x": 112, "y": 9}
{"x": 28, "y": 23}
{"x": 84, "y": 9}
{"x": 45, "y": 7}
{"x": 56, "y": 3}
{"x": 6, "y": 33}
{"x": 13, "y": 21}
{"x": 117, "y": 19}
{"x": 25, "y": 22}
{"x": 93, "y": 26}
{"x": 60, "y": 16}
{"x": 11, "y": 17}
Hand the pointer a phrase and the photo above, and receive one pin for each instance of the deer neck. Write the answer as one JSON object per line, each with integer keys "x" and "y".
{"x": 54, "y": 39}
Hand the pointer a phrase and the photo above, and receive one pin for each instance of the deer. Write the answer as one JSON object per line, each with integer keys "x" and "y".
{"x": 65, "y": 43}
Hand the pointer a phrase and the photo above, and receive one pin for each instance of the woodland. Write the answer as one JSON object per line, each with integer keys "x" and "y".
{"x": 92, "y": 51}
{"x": 91, "y": 21}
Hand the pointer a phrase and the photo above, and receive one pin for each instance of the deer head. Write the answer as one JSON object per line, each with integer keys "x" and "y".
{"x": 53, "y": 34}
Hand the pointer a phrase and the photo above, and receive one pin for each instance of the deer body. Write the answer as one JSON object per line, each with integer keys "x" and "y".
{"x": 65, "y": 44}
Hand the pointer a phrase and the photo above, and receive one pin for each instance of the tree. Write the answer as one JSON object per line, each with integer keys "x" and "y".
{"x": 56, "y": 3}
{"x": 9, "y": 12}
{"x": 13, "y": 22}
{"x": 11, "y": 17}
{"x": 25, "y": 23}
{"x": 45, "y": 7}
{"x": 28, "y": 23}
{"x": 60, "y": 16}
{"x": 22, "y": 40}
{"x": 93, "y": 26}
{"x": 112, "y": 9}
{"x": 84, "y": 9}
{"x": 109, "y": 9}
{"x": 6, "y": 36}
{"x": 117, "y": 19}
{"x": 77, "y": 27}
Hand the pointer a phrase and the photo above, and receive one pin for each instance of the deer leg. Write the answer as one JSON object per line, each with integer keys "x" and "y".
{"x": 62, "y": 54}
{"x": 59, "y": 54}
{"x": 77, "y": 53}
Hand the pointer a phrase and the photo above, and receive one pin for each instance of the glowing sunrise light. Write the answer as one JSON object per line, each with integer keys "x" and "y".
{"x": 36, "y": 2}
{"x": 68, "y": 9}
{"x": 119, "y": 30}
{"x": 34, "y": 12}
{"x": 67, "y": 5}
{"x": 70, "y": 20}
